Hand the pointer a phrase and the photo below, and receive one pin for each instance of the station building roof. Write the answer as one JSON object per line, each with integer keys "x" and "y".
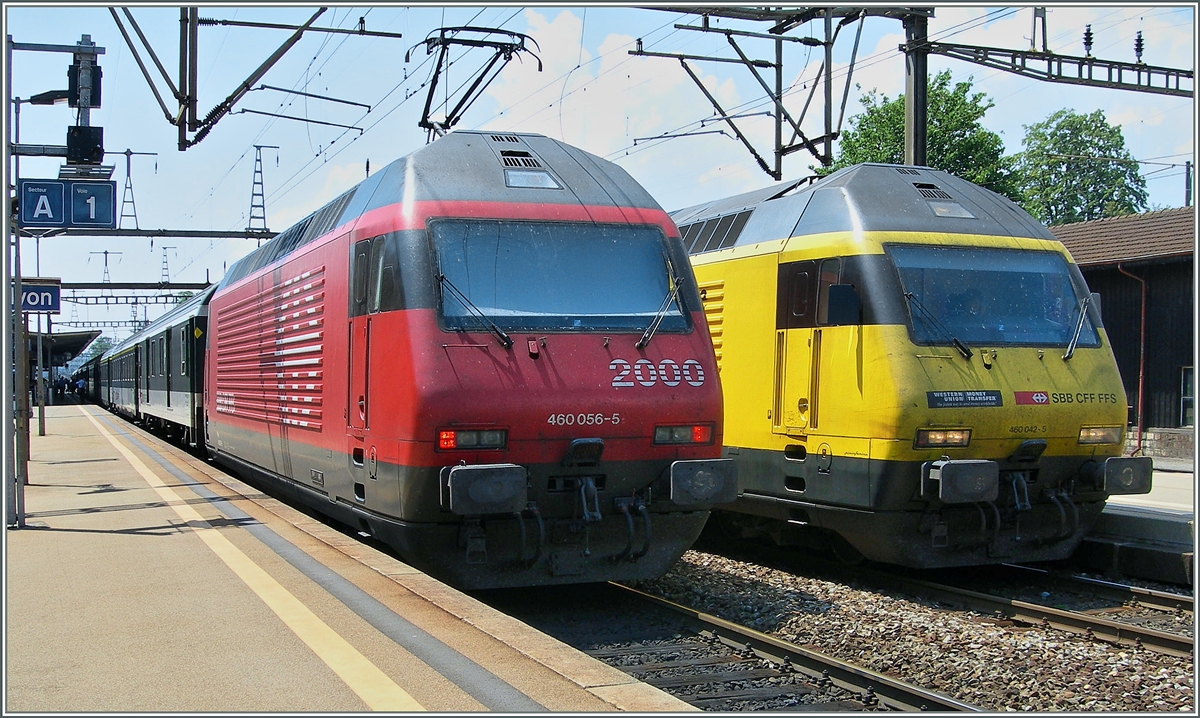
{"x": 1151, "y": 236}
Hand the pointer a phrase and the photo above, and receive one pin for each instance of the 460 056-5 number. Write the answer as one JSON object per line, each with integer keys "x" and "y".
{"x": 583, "y": 419}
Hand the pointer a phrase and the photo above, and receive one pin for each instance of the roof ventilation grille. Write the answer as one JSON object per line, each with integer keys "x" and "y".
{"x": 517, "y": 158}
{"x": 907, "y": 171}
{"x": 930, "y": 191}
{"x": 504, "y": 138}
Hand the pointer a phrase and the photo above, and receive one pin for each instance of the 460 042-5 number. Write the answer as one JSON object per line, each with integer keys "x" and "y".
{"x": 583, "y": 419}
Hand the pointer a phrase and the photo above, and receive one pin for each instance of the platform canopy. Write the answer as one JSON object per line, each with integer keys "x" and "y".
{"x": 60, "y": 347}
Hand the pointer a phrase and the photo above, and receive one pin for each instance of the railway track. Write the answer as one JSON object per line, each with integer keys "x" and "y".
{"x": 709, "y": 662}
{"x": 1093, "y": 625}
{"x": 1099, "y": 610}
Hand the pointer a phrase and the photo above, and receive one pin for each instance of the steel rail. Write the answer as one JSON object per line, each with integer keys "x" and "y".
{"x": 1032, "y": 614}
{"x": 889, "y": 691}
{"x": 1149, "y": 598}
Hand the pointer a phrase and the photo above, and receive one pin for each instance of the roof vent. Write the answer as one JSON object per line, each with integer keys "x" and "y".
{"x": 517, "y": 158}
{"x": 930, "y": 191}
{"x": 504, "y": 138}
{"x": 907, "y": 171}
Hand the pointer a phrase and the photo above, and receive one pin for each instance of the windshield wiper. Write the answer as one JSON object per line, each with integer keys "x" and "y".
{"x": 1083, "y": 305}
{"x": 662, "y": 310}
{"x": 938, "y": 325}
{"x": 505, "y": 340}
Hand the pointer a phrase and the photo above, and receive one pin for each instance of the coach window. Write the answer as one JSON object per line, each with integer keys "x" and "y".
{"x": 359, "y": 277}
{"x": 831, "y": 270}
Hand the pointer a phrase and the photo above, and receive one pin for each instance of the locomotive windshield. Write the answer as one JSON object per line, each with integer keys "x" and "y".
{"x": 554, "y": 276}
{"x": 983, "y": 296}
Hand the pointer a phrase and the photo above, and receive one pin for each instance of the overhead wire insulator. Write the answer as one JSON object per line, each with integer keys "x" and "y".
{"x": 1138, "y": 45}
{"x": 1087, "y": 41}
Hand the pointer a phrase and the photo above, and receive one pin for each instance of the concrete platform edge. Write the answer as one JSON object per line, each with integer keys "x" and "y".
{"x": 606, "y": 683}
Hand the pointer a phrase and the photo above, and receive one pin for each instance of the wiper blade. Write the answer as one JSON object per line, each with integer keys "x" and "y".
{"x": 505, "y": 340}
{"x": 1083, "y": 305}
{"x": 662, "y": 310}
{"x": 937, "y": 324}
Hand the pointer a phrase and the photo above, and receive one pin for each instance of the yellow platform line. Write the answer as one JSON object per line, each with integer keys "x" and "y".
{"x": 363, "y": 677}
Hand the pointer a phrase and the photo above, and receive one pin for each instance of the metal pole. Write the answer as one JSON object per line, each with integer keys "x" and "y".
{"x": 829, "y": 84}
{"x": 1187, "y": 183}
{"x": 14, "y": 515}
{"x": 916, "y": 89}
{"x": 41, "y": 383}
{"x": 779, "y": 108}
{"x": 21, "y": 342}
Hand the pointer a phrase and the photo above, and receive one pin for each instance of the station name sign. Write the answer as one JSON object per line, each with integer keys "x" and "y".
{"x": 67, "y": 203}
{"x": 41, "y": 294}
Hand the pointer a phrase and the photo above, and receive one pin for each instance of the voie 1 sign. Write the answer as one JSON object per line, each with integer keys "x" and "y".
{"x": 67, "y": 203}
{"x": 41, "y": 295}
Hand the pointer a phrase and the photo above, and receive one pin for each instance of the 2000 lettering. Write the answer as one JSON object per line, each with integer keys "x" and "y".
{"x": 644, "y": 372}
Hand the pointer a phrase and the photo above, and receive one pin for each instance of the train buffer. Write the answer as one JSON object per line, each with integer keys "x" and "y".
{"x": 1151, "y": 536}
{"x": 146, "y": 580}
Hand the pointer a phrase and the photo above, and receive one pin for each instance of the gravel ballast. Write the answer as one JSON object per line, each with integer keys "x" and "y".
{"x": 968, "y": 656}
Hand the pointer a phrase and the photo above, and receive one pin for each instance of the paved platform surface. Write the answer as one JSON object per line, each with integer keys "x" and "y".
{"x": 147, "y": 580}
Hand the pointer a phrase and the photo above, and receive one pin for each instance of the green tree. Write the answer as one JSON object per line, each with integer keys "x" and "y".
{"x": 1075, "y": 167}
{"x": 183, "y": 296}
{"x": 98, "y": 347}
{"x": 956, "y": 141}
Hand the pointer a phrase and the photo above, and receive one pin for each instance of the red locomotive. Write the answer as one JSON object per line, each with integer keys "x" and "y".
{"x": 491, "y": 355}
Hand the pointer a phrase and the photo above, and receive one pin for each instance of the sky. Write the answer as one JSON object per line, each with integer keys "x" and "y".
{"x": 590, "y": 92}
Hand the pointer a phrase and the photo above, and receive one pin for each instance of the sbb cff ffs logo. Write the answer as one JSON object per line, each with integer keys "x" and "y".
{"x": 1032, "y": 397}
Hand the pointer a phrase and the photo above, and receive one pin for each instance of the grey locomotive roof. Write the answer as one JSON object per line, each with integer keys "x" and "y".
{"x": 469, "y": 166}
{"x": 871, "y": 198}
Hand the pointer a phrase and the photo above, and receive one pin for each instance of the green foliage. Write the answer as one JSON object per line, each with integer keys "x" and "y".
{"x": 183, "y": 296}
{"x": 98, "y": 347}
{"x": 956, "y": 141}
{"x": 1062, "y": 185}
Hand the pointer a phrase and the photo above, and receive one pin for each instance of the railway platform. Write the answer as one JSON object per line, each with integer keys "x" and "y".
{"x": 147, "y": 580}
{"x": 1149, "y": 536}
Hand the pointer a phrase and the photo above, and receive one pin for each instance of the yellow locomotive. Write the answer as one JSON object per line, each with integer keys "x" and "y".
{"x": 913, "y": 367}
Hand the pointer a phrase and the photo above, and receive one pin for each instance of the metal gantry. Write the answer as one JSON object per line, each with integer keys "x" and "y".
{"x": 187, "y": 118}
{"x": 1036, "y": 64}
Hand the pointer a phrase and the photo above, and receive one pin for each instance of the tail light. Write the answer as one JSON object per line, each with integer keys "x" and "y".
{"x": 690, "y": 434}
{"x": 452, "y": 439}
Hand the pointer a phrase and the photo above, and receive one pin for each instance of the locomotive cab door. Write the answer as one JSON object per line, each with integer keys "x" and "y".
{"x": 360, "y": 333}
{"x": 794, "y": 409}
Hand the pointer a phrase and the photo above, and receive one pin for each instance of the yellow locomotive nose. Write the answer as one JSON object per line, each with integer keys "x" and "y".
{"x": 910, "y": 363}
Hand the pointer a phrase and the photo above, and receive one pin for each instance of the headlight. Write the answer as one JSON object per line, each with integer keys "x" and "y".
{"x": 449, "y": 439}
{"x": 927, "y": 438}
{"x": 698, "y": 434}
{"x": 1100, "y": 435}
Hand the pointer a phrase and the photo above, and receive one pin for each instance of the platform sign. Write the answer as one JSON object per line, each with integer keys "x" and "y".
{"x": 67, "y": 203}
{"x": 42, "y": 295}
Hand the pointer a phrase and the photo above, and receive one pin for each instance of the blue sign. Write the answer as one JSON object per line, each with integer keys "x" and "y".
{"x": 41, "y": 203}
{"x": 93, "y": 204}
{"x": 67, "y": 203}
{"x": 36, "y": 297}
